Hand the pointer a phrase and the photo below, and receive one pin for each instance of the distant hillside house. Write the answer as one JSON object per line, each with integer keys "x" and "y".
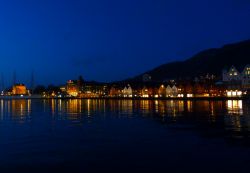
{"x": 19, "y": 89}
{"x": 146, "y": 78}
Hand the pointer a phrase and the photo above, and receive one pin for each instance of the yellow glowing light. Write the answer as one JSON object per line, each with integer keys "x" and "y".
{"x": 229, "y": 93}
{"x": 239, "y": 93}
{"x": 234, "y": 93}
{"x": 180, "y": 95}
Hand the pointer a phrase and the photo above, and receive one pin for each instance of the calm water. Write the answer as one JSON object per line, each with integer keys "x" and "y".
{"x": 124, "y": 136}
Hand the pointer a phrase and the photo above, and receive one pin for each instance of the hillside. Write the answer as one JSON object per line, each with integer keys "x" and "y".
{"x": 210, "y": 61}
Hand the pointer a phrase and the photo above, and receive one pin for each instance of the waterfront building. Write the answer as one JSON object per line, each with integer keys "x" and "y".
{"x": 145, "y": 92}
{"x": 72, "y": 88}
{"x": 113, "y": 92}
{"x": 237, "y": 83}
{"x": 235, "y": 79}
{"x": 174, "y": 91}
{"x": 19, "y": 89}
{"x": 127, "y": 91}
{"x": 161, "y": 91}
{"x": 168, "y": 91}
{"x": 234, "y": 93}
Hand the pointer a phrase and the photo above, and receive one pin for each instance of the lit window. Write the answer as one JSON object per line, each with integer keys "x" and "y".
{"x": 229, "y": 93}
{"x": 239, "y": 93}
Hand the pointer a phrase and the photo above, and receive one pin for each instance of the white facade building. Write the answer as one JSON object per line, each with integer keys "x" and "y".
{"x": 127, "y": 91}
{"x": 171, "y": 91}
{"x": 233, "y": 76}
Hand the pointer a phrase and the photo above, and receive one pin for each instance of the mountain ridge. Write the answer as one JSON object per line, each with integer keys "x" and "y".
{"x": 209, "y": 61}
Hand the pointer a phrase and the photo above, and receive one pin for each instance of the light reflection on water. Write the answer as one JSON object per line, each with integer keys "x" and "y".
{"x": 235, "y": 114}
{"x": 65, "y": 134}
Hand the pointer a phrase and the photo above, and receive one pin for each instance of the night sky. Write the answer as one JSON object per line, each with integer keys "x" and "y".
{"x": 108, "y": 40}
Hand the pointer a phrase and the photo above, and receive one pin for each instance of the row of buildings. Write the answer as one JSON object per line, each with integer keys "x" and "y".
{"x": 233, "y": 83}
{"x": 145, "y": 90}
{"x": 236, "y": 79}
{"x": 17, "y": 89}
{"x": 237, "y": 82}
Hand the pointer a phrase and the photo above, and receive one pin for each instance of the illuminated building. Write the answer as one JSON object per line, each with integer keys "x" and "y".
{"x": 174, "y": 91}
{"x": 113, "y": 92}
{"x": 72, "y": 88}
{"x": 231, "y": 74}
{"x": 188, "y": 90}
{"x": 234, "y": 93}
{"x": 116, "y": 91}
{"x": 145, "y": 92}
{"x": 127, "y": 91}
{"x": 19, "y": 89}
{"x": 162, "y": 91}
{"x": 168, "y": 91}
{"x": 63, "y": 89}
{"x": 236, "y": 80}
{"x": 171, "y": 91}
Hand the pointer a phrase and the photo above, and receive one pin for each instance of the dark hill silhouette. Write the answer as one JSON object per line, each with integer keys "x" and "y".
{"x": 211, "y": 61}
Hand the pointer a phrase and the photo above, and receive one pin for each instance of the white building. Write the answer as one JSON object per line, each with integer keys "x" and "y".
{"x": 235, "y": 77}
{"x": 231, "y": 74}
{"x": 127, "y": 91}
{"x": 175, "y": 91}
{"x": 171, "y": 91}
{"x": 168, "y": 91}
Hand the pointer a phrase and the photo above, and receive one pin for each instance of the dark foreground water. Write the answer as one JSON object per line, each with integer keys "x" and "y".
{"x": 124, "y": 136}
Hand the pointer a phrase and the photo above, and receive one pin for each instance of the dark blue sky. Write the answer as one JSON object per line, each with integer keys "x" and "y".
{"x": 108, "y": 40}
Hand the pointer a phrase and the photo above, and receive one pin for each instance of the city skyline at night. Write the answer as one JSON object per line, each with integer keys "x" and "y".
{"x": 124, "y": 86}
{"x": 111, "y": 41}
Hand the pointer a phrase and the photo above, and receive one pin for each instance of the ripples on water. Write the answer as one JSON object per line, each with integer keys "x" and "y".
{"x": 234, "y": 113}
{"x": 53, "y": 130}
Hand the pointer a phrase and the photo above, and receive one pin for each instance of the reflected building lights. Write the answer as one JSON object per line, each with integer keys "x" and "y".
{"x": 88, "y": 107}
{"x": 2, "y": 109}
{"x": 189, "y": 106}
{"x": 235, "y": 107}
{"x": 145, "y": 106}
{"x": 77, "y": 110}
{"x": 60, "y": 106}
{"x": 156, "y": 106}
{"x": 53, "y": 106}
{"x": 29, "y": 107}
{"x": 20, "y": 109}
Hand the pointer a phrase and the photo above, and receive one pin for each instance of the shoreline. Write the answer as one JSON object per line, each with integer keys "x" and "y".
{"x": 121, "y": 98}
